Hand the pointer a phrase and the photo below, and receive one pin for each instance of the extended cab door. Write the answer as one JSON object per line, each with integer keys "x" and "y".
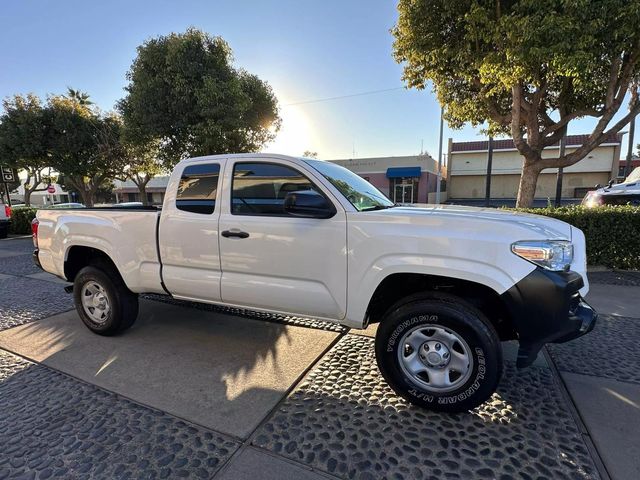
{"x": 275, "y": 261}
{"x": 188, "y": 236}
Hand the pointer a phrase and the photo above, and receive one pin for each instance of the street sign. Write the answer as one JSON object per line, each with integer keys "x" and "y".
{"x": 8, "y": 175}
{"x": 51, "y": 189}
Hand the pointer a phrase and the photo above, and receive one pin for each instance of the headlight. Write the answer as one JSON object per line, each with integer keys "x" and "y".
{"x": 555, "y": 255}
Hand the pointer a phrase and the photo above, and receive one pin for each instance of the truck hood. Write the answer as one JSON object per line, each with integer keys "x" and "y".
{"x": 544, "y": 227}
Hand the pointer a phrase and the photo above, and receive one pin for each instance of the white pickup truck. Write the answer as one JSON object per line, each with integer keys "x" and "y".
{"x": 310, "y": 238}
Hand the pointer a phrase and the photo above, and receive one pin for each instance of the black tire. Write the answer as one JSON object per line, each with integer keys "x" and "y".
{"x": 123, "y": 304}
{"x": 4, "y": 231}
{"x": 446, "y": 313}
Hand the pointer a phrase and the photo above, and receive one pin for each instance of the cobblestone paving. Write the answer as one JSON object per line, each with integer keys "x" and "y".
{"x": 21, "y": 264}
{"x": 269, "y": 317}
{"x": 52, "y": 426}
{"x": 24, "y": 300}
{"x": 344, "y": 420}
{"x": 616, "y": 277}
{"x": 18, "y": 245}
{"x": 610, "y": 350}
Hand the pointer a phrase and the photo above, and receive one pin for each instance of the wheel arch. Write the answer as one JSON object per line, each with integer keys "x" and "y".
{"x": 405, "y": 285}
{"x": 79, "y": 256}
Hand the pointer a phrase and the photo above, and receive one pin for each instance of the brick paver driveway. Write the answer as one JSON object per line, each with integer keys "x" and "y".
{"x": 336, "y": 420}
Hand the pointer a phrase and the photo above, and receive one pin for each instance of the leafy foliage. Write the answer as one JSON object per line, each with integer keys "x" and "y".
{"x": 84, "y": 145}
{"x": 142, "y": 164}
{"x": 611, "y": 232}
{"x": 21, "y": 220}
{"x": 526, "y": 67}
{"x": 24, "y": 140}
{"x": 185, "y": 94}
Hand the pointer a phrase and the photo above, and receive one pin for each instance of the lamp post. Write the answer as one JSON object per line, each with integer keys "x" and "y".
{"x": 558, "y": 201}
{"x": 439, "y": 176}
{"x": 487, "y": 188}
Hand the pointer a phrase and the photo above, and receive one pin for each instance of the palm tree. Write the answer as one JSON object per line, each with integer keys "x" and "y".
{"x": 82, "y": 98}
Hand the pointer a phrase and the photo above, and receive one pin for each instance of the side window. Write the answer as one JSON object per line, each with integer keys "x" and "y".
{"x": 198, "y": 187}
{"x": 260, "y": 188}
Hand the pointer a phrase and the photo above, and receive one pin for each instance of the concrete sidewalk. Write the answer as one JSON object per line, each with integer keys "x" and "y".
{"x": 601, "y": 372}
{"x": 219, "y": 371}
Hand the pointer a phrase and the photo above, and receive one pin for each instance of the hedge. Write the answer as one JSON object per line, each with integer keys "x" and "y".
{"x": 21, "y": 219}
{"x": 612, "y": 232}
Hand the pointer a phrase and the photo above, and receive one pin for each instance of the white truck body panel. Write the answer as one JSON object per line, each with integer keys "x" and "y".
{"x": 325, "y": 268}
{"x": 288, "y": 264}
{"x": 189, "y": 246}
{"x": 128, "y": 239}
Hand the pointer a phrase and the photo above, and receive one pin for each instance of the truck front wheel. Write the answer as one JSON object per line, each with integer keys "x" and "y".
{"x": 103, "y": 301}
{"x": 439, "y": 352}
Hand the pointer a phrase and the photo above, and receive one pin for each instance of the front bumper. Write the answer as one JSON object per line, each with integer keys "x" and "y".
{"x": 546, "y": 307}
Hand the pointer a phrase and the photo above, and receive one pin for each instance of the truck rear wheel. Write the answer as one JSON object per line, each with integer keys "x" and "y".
{"x": 103, "y": 301}
{"x": 439, "y": 352}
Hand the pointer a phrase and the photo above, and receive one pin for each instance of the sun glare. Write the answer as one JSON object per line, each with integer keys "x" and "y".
{"x": 294, "y": 136}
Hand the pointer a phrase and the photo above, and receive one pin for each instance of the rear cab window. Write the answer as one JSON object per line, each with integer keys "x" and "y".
{"x": 198, "y": 188}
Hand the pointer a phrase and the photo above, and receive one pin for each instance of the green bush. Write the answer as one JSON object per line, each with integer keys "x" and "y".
{"x": 612, "y": 232}
{"x": 21, "y": 219}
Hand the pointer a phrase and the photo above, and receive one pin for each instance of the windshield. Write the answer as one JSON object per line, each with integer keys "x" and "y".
{"x": 633, "y": 176}
{"x": 362, "y": 195}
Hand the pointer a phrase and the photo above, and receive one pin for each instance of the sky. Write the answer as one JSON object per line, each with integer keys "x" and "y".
{"x": 306, "y": 50}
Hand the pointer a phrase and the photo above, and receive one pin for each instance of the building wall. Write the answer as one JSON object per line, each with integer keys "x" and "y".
{"x": 467, "y": 173}
{"x": 506, "y": 186}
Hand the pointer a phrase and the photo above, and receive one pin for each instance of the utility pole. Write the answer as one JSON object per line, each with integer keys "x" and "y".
{"x": 487, "y": 188}
{"x": 439, "y": 179}
{"x": 558, "y": 202}
{"x": 632, "y": 128}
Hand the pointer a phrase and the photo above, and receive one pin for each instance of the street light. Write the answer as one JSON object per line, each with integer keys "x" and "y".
{"x": 439, "y": 179}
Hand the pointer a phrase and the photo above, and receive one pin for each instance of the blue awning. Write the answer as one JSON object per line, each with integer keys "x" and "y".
{"x": 400, "y": 172}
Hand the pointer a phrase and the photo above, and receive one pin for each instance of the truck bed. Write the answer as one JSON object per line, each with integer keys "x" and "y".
{"x": 128, "y": 235}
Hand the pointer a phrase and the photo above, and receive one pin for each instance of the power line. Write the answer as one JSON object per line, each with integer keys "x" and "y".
{"x": 371, "y": 92}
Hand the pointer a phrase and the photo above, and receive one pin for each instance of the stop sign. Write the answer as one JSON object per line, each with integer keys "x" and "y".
{"x": 51, "y": 189}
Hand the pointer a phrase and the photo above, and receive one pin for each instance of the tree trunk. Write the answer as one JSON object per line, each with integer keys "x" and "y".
{"x": 528, "y": 182}
{"x": 142, "y": 188}
{"x": 27, "y": 197}
{"x": 87, "y": 193}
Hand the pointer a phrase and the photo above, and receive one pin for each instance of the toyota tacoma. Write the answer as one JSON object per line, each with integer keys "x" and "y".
{"x": 304, "y": 237}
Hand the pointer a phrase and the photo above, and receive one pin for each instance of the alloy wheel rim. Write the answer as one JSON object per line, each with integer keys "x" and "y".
{"x": 435, "y": 358}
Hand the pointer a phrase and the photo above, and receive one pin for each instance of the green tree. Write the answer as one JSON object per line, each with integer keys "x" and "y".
{"x": 141, "y": 165}
{"x": 310, "y": 154}
{"x": 525, "y": 67}
{"x": 185, "y": 94}
{"x": 84, "y": 146}
{"x": 23, "y": 141}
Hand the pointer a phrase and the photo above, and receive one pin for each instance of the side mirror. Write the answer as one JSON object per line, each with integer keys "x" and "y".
{"x": 308, "y": 204}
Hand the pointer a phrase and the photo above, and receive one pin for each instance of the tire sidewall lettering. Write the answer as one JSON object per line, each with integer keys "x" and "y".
{"x": 473, "y": 386}
{"x": 397, "y": 332}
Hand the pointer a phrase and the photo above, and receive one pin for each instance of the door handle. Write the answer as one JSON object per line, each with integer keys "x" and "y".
{"x": 234, "y": 233}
